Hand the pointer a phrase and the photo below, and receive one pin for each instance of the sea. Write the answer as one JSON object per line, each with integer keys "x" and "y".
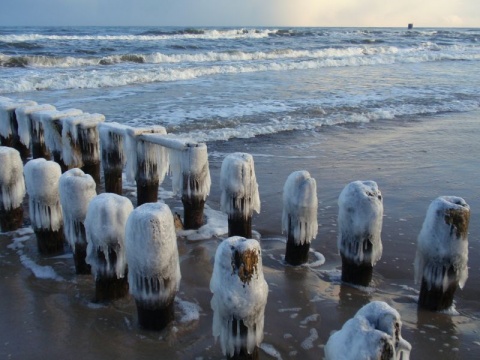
{"x": 397, "y": 106}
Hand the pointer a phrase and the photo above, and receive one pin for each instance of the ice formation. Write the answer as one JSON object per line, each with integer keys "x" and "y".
{"x": 7, "y": 115}
{"x": 76, "y": 190}
{"x": 42, "y": 180}
{"x": 190, "y": 171}
{"x": 442, "y": 246}
{"x": 152, "y": 254}
{"x": 374, "y": 331}
{"x": 360, "y": 219}
{"x": 80, "y": 139}
{"x": 105, "y": 229}
{"x": 300, "y": 205}
{"x": 112, "y": 139}
{"x": 153, "y": 156}
{"x": 46, "y": 125}
{"x": 24, "y": 121}
{"x": 239, "y": 186}
{"x": 239, "y": 295}
{"x": 12, "y": 183}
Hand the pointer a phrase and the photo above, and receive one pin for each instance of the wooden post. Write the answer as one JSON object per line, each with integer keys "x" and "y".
{"x": 25, "y": 128}
{"x": 47, "y": 134}
{"x": 112, "y": 141}
{"x": 299, "y": 218}
{"x": 42, "y": 177}
{"x": 239, "y": 196}
{"x": 81, "y": 143}
{"x": 106, "y": 248}
{"x": 442, "y": 252}
{"x": 12, "y": 189}
{"x": 153, "y": 263}
{"x": 147, "y": 163}
{"x": 360, "y": 219}
{"x": 9, "y": 126}
{"x": 238, "y": 274}
{"x": 77, "y": 189}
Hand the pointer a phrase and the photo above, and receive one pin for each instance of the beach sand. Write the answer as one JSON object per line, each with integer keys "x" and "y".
{"x": 413, "y": 162}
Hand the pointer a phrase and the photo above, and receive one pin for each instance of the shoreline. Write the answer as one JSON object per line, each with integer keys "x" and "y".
{"x": 413, "y": 162}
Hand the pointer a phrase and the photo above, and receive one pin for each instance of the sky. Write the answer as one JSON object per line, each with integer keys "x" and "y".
{"x": 371, "y": 13}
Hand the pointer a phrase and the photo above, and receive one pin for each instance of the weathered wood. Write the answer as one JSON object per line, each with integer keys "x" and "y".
{"x": 358, "y": 274}
{"x": 11, "y": 219}
{"x": 49, "y": 242}
{"x": 154, "y": 317}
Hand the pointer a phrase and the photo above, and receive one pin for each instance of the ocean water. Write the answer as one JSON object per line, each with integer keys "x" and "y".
{"x": 222, "y": 83}
{"x": 397, "y": 106}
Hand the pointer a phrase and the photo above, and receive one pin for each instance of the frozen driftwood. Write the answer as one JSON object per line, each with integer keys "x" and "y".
{"x": 442, "y": 252}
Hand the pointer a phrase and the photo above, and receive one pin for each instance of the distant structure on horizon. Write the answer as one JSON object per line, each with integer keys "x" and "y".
{"x": 410, "y": 26}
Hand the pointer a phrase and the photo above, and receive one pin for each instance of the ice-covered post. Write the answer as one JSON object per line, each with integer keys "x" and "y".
{"x": 47, "y": 134}
{"x": 239, "y": 197}
{"x": 373, "y": 333}
{"x": 442, "y": 252}
{"x": 12, "y": 189}
{"x": 112, "y": 141}
{"x": 9, "y": 125}
{"x": 299, "y": 218}
{"x": 42, "y": 180}
{"x": 360, "y": 217}
{"x": 81, "y": 143}
{"x": 77, "y": 189}
{"x": 25, "y": 126}
{"x": 153, "y": 264}
{"x": 105, "y": 229}
{"x": 239, "y": 297}
{"x": 147, "y": 163}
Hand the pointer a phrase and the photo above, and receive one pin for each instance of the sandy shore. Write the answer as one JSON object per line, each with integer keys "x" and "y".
{"x": 413, "y": 162}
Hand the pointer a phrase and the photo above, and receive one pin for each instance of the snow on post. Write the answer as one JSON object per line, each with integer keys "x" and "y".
{"x": 112, "y": 145}
{"x": 239, "y": 197}
{"x": 191, "y": 178}
{"x": 9, "y": 125}
{"x": 153, "y": 263}
{"x": 42, "y": 180}
{"x": 299, "y": 217}
{"x": 12, "y": 189}
{"x": 47, "y": 134}
{"x": 24, "y": 120}
{"x": 442, "y": 252}
{"x": 105, "y": 229}
{"x": 239, "y": 297}
{"x": 373, "y": 333}
{"x": 76, "y": 190}
{"x": 360, "y": 219}
{"x": 81, "y": 143}
{"x": 147, "y": 163}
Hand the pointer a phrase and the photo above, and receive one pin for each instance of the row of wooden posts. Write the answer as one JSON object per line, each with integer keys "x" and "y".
{"x": 80, "y": 143}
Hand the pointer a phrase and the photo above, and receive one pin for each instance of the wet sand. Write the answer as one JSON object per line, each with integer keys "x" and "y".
{"x": 413, "y": 162}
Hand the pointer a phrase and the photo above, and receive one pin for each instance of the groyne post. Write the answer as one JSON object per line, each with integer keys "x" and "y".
{"x": 147, "y": 163}
{"x": 442, "y": 252}
{"x": 360, "y": 219}
{"x": 25, "y": 127}
{"x": 81, "y": 143}
{"x": 9, "y": 125}
{"x": 42, "y": 181}
{"x": 239, "y": 193}
{"x": 239, "y": 297}
{"x": 112, "y": 145}
{"x": 299, "y": 217}
{"x": 47, "y": 134}
{"x": 12, "y": 189}
{"x": 106, "y": 248}
{"x": 76, "y": 190}
{"x": 153, "y": 263}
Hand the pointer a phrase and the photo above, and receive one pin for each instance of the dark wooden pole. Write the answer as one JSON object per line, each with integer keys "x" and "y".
{"x": 9, "y": 127}
{"x": 112, "y": 145}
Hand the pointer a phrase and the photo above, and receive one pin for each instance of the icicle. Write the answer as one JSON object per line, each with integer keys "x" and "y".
{"x": 12, "y": 184}
{"x": 24, "y": 119}
{"x": 442, "y": 252}
{"x": 112, "y": 139}
{"x": 7, "y": 115}
{"x": 239, "y": 295}
{"x": 374, "y": 333}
